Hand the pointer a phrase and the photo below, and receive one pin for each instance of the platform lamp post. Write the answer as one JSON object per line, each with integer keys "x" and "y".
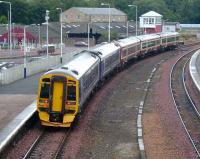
{"x": 107, "y": 4}
{"x": 25, "y": 50}
{"x": 38, "y": 34}
{"x": 89, "y": 35}
{"x": 61, "y": 40}
{"x": 10, "y": 24}
{"x": 131, "y": 5}
{"x": 13, "y": 32}
{"x": 47, "y": 20}
{"x": 127, "y": 28}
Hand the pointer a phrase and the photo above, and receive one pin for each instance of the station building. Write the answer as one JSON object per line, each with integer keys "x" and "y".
{"x": 90, "y": 15}
{"x": 170, "y": 26}
{"x": 151, "y": 22}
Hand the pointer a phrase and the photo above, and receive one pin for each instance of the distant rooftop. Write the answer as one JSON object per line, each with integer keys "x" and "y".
{"x": 151, "y": 14}
{"x": 190, "y": 25}
{"x": 99, "y": 11}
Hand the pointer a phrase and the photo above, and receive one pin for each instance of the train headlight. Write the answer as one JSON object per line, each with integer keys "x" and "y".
{"x": 44, "y": 101}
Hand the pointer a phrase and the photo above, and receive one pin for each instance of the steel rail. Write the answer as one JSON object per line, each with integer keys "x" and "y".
{"x": 59, "y": 150}
{"x": 176, "y": 106}
{"x": 34, "y": 145}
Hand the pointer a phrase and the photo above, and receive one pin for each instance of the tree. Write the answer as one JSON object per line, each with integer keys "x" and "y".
{"x": 3, "y": 19}
{"x": 33, "y": 11}
{"x": 104, "y": 36}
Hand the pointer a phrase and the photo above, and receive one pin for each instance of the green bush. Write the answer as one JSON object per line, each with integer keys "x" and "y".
{"x": 104, "y": 36}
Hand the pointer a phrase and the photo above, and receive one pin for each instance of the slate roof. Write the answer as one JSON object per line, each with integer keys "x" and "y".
{"x": 100, "y": 11}
{"x": 151, "y": 14}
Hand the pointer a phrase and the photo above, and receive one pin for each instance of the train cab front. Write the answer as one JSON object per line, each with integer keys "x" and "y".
{"x": 57, "y": 102}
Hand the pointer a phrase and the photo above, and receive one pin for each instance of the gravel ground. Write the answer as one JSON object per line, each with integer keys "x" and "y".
{"x": 107, "y": 128}
{"x": 21, "y": 148}
{"x": 164, "y": 136}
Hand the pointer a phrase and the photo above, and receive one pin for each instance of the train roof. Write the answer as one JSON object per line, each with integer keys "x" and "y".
{"x": 128, "y": 41}
{"x": 164, "y": 34}
{"x": 148, "y": 37}
{"x": 78, "y": 66}
{"x": 105, "y": 49}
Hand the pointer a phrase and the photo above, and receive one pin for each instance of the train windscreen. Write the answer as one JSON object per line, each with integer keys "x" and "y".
{"x": 45, "y": 88}
{"x": 71, "y": 93}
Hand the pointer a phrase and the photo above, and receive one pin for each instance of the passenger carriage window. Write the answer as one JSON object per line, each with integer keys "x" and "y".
{"x": 45, "y": 88}
{"x": 143, "y": 45}
{"x": 151, "y": 43}
{"x": 164, "y": 40}
{"x": 90, "y": 78}
{"x": 71, "y": 93}
{"x": 171, "y": 39}
{"x": 139, "y": 47}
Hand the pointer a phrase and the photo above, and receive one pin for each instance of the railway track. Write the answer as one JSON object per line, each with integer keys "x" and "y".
{"x": 186, "y": 109}
{"x": 49, "y": 144}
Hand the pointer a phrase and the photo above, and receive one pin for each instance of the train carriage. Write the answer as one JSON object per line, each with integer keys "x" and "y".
{"x": 169, "y": 39}
{"x": 129, "y": 48}
{"x": 109, "y": 54}
{"x": 149, "y": 43}
{"x": 62, "y": 91}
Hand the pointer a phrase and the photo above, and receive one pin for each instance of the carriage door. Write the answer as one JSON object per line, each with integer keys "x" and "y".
{"x": 58, "y": 94}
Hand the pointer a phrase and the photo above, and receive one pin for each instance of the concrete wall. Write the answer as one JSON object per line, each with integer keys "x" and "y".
{"x": 15, "y": 73}
{"x": 169, "y": 28}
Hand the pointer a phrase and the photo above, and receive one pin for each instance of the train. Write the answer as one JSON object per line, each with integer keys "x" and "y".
{"x": 62, "y": 92}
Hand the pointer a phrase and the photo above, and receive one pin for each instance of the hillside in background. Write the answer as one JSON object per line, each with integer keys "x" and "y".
{"x": 33, "y": 11}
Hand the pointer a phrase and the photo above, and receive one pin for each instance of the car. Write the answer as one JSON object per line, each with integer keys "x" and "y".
{"x": 43, "y": 50}
{"x": 80, "y": 43}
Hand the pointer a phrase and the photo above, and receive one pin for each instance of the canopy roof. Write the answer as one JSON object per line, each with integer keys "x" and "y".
{"x": 99, "y": 11}
{"x": 18, "y": 33}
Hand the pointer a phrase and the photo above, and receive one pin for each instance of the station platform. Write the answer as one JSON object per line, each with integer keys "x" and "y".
{"x": 194, "y": 68}
{"x": 17, "y": 105}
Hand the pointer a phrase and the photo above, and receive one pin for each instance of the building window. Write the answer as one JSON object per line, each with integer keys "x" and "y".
{"x": 158, "y": 20}
{"x": 151, "y": 20}
{"x": 146, "y": 21}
